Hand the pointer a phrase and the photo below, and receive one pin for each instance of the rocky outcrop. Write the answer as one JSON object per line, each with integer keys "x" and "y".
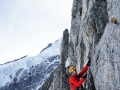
{"x": 58, "y": 79}
{"x": 49, "y": 45}
{"x": 63, "y": 58}
{"x": 92, "y": 28}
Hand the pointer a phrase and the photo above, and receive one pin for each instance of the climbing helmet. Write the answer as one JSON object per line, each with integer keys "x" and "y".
{"x": 71, "y": 69}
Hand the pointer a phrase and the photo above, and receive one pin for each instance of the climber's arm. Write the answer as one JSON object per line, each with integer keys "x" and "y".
{"x": 77, "y": 83}
{"x": 85, "y": 68}
{"x": 83, "y": 71}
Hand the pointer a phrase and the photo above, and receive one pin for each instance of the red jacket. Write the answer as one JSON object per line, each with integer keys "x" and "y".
{"x": 74, "y": 81}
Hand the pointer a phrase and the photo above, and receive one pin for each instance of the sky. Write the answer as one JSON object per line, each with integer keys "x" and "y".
{"x": 28, "y": 26}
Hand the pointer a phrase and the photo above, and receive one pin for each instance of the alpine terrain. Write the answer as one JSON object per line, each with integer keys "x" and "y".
{"x": 95, "y": 26}
{"x": 28, "y": 73}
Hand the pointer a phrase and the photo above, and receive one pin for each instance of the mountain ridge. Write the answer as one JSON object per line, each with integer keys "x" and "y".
{"x": 25, "y": 73}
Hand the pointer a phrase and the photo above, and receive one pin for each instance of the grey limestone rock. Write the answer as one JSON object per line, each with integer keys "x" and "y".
{"x": 93, "y": 31}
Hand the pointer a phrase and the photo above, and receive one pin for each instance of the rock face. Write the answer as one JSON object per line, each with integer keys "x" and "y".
{"x": 94, "y": 26}
{"x": 91, "y": 28}
{"x": 63, "y": 57}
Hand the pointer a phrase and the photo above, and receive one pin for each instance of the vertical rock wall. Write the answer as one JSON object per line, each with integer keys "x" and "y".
{"x": 63, "y": 58}
{"x": 92, "y": 27}
{"x": 60, "y": 78}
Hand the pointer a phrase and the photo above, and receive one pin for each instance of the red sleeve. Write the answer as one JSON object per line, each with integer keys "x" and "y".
{"x": 83, "y": 71}
{"x": 76, "y": 83}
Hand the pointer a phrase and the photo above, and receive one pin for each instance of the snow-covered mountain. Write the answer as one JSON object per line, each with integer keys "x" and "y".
{"x": 28, "y": 73}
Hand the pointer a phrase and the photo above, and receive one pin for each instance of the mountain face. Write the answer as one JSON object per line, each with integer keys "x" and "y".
{"x": 29, "y": 73}
{"x": 95, "y": 25}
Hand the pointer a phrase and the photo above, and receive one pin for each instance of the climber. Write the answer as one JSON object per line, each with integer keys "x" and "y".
{"x": 76, "y": 80}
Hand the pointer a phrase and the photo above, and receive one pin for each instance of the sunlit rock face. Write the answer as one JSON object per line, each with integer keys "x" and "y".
{"x": 93, "y": 28}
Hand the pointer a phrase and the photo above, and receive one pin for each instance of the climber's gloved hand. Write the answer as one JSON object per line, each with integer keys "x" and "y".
{"x": 89, "y": 62}
{"x": 84, "y": 76}
{"x": 89, "y": 57}
{"x": 90, "y": 53}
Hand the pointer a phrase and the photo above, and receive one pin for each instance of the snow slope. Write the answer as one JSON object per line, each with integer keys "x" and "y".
{"x": 8, "y": 70}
